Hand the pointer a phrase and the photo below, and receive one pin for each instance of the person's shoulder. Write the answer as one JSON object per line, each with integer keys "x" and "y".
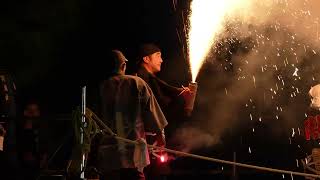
{"x": 136, "y": 78}
{"x": 143, "y": 73}
{"x": 131, "y": 79}
{"x": 130, "y": 76}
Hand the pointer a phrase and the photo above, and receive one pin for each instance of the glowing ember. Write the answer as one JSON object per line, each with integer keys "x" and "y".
{"x": 293, "y": 132}
{"x": 295, "y": 72}
{"x": 162, "y": 158}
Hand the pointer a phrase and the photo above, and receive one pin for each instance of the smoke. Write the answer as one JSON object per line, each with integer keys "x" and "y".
{"x": 193, "y": 137}
{"x": 259, "y": 71}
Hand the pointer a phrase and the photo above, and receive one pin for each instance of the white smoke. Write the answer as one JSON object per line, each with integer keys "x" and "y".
{"x": 272, "y": 70}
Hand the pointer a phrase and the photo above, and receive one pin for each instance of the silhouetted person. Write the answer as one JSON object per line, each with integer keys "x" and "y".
{"x": 32, "y": 141}
{"x": 129, "y": 108}
{"x": 171, "y": 100}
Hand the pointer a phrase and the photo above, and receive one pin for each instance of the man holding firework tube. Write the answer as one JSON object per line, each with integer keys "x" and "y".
{"x": 175, "y": 102}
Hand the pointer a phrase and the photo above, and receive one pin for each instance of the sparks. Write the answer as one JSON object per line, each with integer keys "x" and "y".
{"x": 295, "y": 72}
{"x": 202, "y": 33}
{"x": 293, "y": 132}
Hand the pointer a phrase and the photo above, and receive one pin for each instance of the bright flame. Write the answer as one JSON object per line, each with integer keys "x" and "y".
{"x": 206, "y": 22}
{"x": 162, "y": 159}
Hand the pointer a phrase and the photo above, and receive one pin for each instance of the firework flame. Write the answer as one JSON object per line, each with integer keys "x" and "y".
{"x": 265, "y": 55}
{"x": 206, "y": 22}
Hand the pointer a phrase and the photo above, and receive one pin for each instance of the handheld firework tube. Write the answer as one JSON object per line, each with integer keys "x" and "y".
{"x": 189, "y": 102}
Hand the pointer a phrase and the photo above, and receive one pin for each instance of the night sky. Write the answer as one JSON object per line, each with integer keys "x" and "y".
{"x": 53, "y": 48}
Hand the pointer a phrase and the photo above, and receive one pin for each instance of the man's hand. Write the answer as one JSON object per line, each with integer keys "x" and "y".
{"x": 161, "y": 139}
{"x": 186, "y": 93}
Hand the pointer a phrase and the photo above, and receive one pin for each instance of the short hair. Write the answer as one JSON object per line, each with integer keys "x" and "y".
{"x": 115, "y": 58}
{"x": 148, "y": 49}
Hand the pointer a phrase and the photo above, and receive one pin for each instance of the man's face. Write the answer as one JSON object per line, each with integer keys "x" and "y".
{"x": 153, "y": 62}
{"x": 32, "y": 111}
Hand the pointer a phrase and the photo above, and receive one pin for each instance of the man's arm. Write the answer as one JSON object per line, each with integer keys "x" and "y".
{"x": 169, "y": 90}
{"x": 153, "y": 117}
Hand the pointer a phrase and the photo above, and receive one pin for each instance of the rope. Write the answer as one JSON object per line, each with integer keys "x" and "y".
{"x": 180, "y": 153}
{"x": 221, "y": 161}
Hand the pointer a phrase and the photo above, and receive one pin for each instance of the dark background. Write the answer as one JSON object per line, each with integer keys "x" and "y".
{"x": 54, "y": 48}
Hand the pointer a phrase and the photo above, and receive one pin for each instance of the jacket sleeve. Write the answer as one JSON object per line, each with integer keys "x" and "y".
{"x": 153, "y": 117}
{"x": 168, "y": 89}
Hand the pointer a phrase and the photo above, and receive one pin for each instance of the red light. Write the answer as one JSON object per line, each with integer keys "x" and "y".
{"x": 162, "y": 158}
